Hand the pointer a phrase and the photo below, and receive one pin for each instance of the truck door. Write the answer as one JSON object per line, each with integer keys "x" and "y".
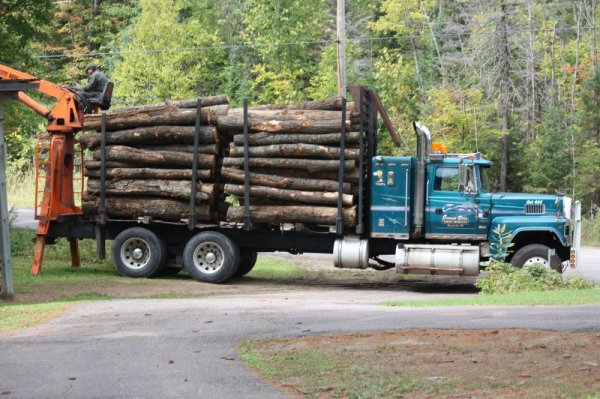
{"x": 452, "y": 210}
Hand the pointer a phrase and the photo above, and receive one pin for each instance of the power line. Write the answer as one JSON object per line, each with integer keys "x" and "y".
{"x": 299, "y": 43}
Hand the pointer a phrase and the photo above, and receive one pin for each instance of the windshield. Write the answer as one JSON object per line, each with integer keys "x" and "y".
{"x": 485, "y": 182}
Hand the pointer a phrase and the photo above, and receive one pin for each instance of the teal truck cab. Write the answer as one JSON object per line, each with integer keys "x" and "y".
{"x": 438, "y": 209}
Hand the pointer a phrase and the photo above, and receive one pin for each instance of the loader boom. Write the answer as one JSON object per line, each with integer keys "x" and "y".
{"x": 54, "y": 170}
{"x": 67, "y": 114}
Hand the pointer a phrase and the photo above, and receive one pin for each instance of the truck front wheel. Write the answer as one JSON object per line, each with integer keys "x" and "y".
{"x": 211, "y": 257}
{"x": 138, "y": 252}
{"x": 531, "y": 254}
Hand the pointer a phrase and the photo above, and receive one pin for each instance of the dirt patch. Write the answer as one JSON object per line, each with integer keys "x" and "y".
{"x": 433, "y": 363}
{"x": 58, "y": 281}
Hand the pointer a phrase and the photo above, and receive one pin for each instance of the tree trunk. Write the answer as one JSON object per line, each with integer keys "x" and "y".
{"x": 294, "y": 151}
{"x": 154, "y": 188}
{"x": 273, "y": 138}
{"x": 350, "y": 176}
{"x": 160, "y": 158}
{"x": 221, "y": 99}
{"x": 157, "y": 208}
{"x": 202, "y": 149}
{"x": 149, "y": 173}
{"x": 306, "y": 197}
{"x": 290, "y": 183}
{"x": 310, "y": 165}
{"x": 292, "y": 214}
{"x": 329, "y": 104}
{"x": 281, "y": 124}
{"x": 167, "y": 115}
{"x": 152, "y": 135}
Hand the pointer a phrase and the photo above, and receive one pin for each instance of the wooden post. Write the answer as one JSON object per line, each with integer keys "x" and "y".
{"x": 6, "y": 284}
{"x": 341, "y": 47}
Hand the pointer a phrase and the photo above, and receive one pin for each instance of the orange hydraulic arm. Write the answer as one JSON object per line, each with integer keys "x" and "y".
{"x": 66, "y": 116}
{"x": 64, "y": 120}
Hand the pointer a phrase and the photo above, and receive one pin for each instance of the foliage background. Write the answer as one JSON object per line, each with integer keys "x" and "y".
{"x": 517, "y": 81}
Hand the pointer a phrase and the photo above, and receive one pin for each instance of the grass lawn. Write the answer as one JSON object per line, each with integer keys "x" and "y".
{"x": 554, "y": 297}
{"x": 430, "y": 364}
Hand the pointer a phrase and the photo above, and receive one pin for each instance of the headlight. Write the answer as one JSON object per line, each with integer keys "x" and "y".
{"x": 567, "y": 204}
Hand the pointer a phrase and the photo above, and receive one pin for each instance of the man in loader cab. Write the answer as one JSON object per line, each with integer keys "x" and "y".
{"x": 93, "y": 91}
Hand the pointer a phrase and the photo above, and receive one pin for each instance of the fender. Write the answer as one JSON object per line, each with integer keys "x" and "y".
{"x": 518, "y": 224}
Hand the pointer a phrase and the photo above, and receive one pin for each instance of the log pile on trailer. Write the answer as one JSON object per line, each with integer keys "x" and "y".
{"x": 148, "y": 158}
{"x": 296, "y": 156}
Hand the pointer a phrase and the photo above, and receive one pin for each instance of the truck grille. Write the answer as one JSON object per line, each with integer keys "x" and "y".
{"x": 535, "y": 209}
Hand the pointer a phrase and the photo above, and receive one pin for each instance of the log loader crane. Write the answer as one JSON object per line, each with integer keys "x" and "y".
{"x": 56, "y": 158}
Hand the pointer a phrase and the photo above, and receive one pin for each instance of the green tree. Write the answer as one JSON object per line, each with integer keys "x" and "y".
{"x": 171, "y": 57}
{"x": 286, "y": 35}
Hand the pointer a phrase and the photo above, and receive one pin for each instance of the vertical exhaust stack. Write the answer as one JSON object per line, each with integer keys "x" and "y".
{"x": 423, "y": 149}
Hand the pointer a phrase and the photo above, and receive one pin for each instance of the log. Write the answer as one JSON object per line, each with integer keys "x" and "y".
{"x": 203, "y": 149}
{"x": 294, "y": 151}
{"x": 206, "y": 101}
{"x": 329, "y": 104}
{"x": 350, "y": 176}
{"x": 91, "y": 164}
{"x": 157, "y": 208}
{"x": 152, "y": 135}
{"x": 309, "y": 165}
{"x": 292, "y": 115}
{"x": 274, "y": 138}
{"x": 306, "y": 197}
{"x": 167, "y": 115}
{"x": 191, "y": 103}
{"x": 292, "y": 214}
{"x": 149, "y": 173}
{"x": 290, "y": 183}
{"x": 153, "y": 188}
{"x": 135, "y": 155}
{"x": 282, "y": 124}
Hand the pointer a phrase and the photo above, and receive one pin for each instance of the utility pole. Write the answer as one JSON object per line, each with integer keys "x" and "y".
{"x": 341, "y": 47}
{"x": 6, "y": 285}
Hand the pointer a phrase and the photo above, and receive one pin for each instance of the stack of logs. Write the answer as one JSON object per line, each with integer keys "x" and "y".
{"x": 148, "y": 156}
{"x": 294, "y": 161}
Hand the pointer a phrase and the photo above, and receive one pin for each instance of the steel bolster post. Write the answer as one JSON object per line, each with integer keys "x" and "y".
{"x": 101, "y": 225}
{"x": 192, "y": 217}
{"x": 339, "y": 225}
{"x": 247, "y": 219}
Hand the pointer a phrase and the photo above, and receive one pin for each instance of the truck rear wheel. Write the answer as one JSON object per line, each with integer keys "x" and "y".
{"x": 247, "y": 262}
{"x": 531, "y": 254}
{"x": 138, "y": 252}
{"x": 211, "y": 257}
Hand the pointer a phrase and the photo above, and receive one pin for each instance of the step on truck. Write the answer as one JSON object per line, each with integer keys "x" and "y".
{"x": 433, "y": 212}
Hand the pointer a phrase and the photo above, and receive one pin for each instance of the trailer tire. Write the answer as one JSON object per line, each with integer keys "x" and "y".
{"x": 531, "y": 254}
{"x": 138, "y": 252}
{"x": 247, "y": 261}
{"x": 211, "y": 257}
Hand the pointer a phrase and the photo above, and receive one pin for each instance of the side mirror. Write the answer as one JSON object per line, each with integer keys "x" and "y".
{"x": 466, "y": 181}
{"x": 463, "y": 176}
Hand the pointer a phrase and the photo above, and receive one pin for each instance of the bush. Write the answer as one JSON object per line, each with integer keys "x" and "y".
{"x": 503, "y": 277}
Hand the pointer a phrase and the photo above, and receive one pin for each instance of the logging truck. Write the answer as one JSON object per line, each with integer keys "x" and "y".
{"x": 300, "y": 179}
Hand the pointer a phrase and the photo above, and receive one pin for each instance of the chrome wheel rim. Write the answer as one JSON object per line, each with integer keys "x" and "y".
{"x": 537, "y": 260}
{"x": 208, "y": 257}
{"x": 135, "y": 253}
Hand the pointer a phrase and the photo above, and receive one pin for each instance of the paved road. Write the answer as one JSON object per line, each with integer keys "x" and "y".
{"x": 187, "y": 348}
{"x": 588, "y": 267}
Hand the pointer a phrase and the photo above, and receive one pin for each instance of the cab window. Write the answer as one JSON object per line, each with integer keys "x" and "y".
{"x": 446, "y": 179}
